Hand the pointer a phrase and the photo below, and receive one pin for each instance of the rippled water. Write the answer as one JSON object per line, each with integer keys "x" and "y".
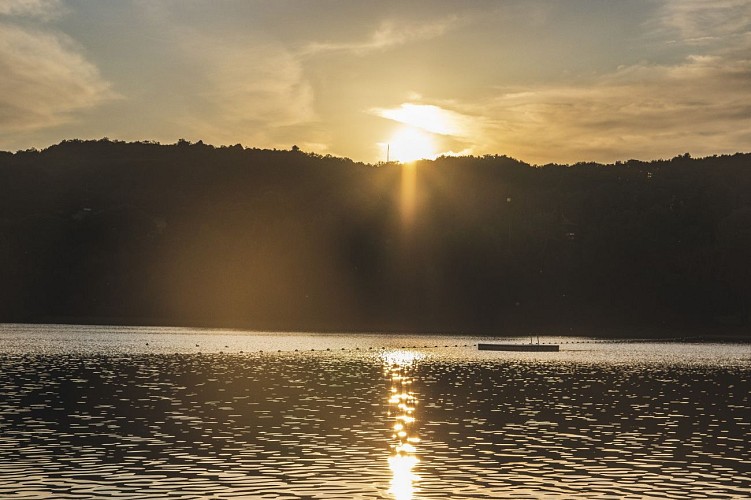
{"x": 178, "y": 413}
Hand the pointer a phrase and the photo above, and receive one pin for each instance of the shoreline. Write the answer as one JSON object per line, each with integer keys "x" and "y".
{"x": 691, "y": 334}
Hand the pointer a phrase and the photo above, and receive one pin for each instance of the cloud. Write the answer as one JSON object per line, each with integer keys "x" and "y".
{"x": 44, "y": 80}
{"x": 223, "y": 86}
{"x": 428, "y": 117}
{"x": 647, "y": 110}
{"x": 705, "y": 21}
{"x": 44, "y": 9}
{"x": 700, "y": 105}
{"x": 253, "y": 90}
{"x": 389, "y": 34}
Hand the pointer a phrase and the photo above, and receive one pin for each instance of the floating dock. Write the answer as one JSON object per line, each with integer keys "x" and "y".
{"x": 519, "y": 347}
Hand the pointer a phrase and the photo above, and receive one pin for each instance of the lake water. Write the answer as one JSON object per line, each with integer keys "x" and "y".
{"x": 115, "y": 412}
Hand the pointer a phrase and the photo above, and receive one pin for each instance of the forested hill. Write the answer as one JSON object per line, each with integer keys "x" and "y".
{"x": 189, "y": 234}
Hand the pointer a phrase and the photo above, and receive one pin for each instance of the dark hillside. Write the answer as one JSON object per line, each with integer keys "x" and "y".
{"x": 189, "y": 234}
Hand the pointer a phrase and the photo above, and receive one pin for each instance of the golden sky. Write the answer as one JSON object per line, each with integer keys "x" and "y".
{"x": 540, "y": 81}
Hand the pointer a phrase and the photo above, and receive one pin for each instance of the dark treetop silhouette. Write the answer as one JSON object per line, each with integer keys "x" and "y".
{"x": 190, "y": 234}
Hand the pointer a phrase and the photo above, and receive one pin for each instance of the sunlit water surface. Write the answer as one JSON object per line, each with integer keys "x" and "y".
{"x": 114, "y": 412}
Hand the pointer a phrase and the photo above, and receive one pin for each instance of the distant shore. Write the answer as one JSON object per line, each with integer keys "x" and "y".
{"x": 687, "y": 334}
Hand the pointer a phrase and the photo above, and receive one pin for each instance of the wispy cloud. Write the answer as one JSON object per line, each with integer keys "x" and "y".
{"x": 705, "y": 21}
{"x": 249, "y": 89}
{"x": 389, "y": 34}
{"x": 44, "y": 79}
{"x": 428, "y": 117}
{"x": 649, "y": 110}
{"x": 700, "y": 105}
{"x": 44, "y": 9}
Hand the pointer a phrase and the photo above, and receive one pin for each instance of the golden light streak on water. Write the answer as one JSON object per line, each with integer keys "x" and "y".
{"x": 402, "y": 404}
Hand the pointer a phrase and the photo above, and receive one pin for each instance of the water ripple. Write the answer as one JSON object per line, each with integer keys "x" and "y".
{"x": 117, "y": 422}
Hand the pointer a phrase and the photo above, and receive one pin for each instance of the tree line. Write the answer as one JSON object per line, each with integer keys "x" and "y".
{"x": 190, "y": 234}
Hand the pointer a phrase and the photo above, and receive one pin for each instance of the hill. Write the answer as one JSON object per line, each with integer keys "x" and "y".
{"x": 189, "y": 234}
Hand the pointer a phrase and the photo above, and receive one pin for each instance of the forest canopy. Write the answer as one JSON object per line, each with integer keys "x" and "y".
{"x": 191, "y": 234}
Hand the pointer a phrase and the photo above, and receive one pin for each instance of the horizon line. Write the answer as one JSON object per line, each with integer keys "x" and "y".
{"x": 295, "y": 149}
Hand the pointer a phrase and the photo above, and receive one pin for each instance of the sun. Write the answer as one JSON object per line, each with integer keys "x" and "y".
{"x": 424, "y": 131}
{"x": 410, "y": 144}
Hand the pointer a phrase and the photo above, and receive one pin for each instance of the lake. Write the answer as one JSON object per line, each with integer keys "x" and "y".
{"x": 131, "y": 412}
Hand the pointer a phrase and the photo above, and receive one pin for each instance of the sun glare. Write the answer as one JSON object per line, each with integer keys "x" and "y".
{"x": 402, "y": 406}
{"x": 410, "y": 144}
{"x": 423, "y": 133}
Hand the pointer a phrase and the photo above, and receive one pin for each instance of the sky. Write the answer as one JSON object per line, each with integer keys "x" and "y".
{"x": 540, "y": 81}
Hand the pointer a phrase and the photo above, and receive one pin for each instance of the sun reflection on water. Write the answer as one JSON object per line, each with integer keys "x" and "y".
{"x": 402, "y": 404}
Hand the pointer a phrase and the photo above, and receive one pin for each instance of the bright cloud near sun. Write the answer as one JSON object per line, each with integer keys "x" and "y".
{"x": 423, "y": 131}
{"x": 426, "y": 117}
